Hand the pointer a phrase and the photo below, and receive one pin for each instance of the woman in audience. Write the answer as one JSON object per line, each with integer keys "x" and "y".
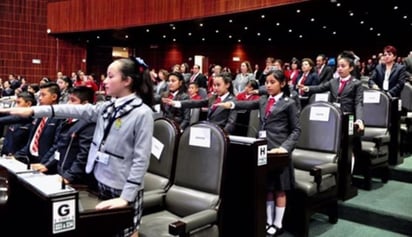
{"x": 119, "y": 154}
{"x": 279, "y": 124}
{"x": 243, "y": 77}
{"x": 308, "y": 76}
{"x": 389, "y": 76}
{"x": 223, "y": 92}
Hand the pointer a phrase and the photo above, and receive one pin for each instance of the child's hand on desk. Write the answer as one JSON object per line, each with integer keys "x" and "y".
{"x": 278, "y": 150}
{"x": 111, "y": 203}
{"x": 39, "y": 167}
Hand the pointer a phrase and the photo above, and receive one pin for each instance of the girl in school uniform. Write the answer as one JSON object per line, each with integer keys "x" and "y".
{"x": 176, "y": 91}
{"x": 279, "y": 120}
{"x": 118, "y": 155}
{"x": 223, "y": 92}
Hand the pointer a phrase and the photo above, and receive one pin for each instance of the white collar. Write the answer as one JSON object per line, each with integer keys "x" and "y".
{"x": 122, "y": 100}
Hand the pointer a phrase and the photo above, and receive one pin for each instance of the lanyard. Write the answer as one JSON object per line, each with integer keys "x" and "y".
{"x": 112, "y": 118}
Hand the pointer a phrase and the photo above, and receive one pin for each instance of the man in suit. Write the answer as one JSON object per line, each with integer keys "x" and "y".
{"x": 71, "y": 145}
{"x": 325, "y": 72}
{"x": 44, "y": 129}
{"x": 18, "y": 128}
{"x": 198, "y": 77}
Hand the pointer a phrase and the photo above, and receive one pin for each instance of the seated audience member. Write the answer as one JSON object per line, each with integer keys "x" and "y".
{"x": 223, "y": 92}
{"x": 247, "y": 93}
{"x": 308, "y": 77}
{"x": 18, "y": 128}
{"x": 72, "y": 143}
{"x": 42, "y": 134}
{"x": 193, "y": 91}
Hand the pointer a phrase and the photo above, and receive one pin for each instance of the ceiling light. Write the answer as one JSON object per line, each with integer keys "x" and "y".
{"x": 258, "y": 34}
{"x": 262, "y": 16}
{"x": 201, "y": 24}
{"x": 405, "y": 17}
{"x": 245, "y": 28}
{"x": 203, "y": 39}
{"x": 174, "y": 40}
{"x": 300, "y": 36}
{"x": 217, "y": 31}
{"x": 147, "y": 30}
{"x": 277, "y": 23}
{"x": 334, "y": 33}
{"x": 378, "y": 34}
{"x": 230, "y": 20}
{"x": 126, "y": 36}
{"x": 290, "y": 30}
{"x": 362, "y": 22}
{"x": 97, "y": 37}
{"x": 312, "y": 19}
{"x": 239, "y": 40}
{"x": 173, "y": 28}
{"x": 189, "y": 34}
{"x": 269, "y": 39}
{"x": 395, "y": 8}
{"x": 164, "y": 36}
{"x": 298, "y": 11}
{"x": 230, "y": 36}
{"x": 371, "y": 29}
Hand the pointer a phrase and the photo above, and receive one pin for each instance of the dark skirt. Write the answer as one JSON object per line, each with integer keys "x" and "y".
{"x": 282, "y": 179}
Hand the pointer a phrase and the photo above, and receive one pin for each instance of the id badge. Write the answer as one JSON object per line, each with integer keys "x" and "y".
{"x": 336, "y": 104}
{"x": 57, "y": 155}
{"x": 262, "y": 134}
{"x": 102, "y": 158}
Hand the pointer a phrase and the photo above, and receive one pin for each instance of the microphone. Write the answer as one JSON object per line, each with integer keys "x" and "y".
{"x": 72, "y": 136}
{"x": 26, "y": 158}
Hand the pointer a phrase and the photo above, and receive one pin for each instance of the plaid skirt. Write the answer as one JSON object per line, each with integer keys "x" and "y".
{"x": 106, "y": 192}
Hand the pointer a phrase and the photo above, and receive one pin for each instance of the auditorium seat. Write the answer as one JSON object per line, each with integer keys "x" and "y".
{"x": 161, "y": 168}
{"x": 190, "y": 207}
{"x": 406, "y": 120}
{"x": 375, "y": 141}
{"x": 316, "y": 159}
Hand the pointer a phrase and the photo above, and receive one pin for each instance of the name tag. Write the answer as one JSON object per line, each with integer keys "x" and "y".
{"x": 57, "y": 155}
{"x": 102, "y": 158}
{"x": 262, "y": 134}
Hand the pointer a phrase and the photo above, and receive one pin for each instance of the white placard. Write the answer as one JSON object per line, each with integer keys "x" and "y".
{"x": 322, "y": 97}
{"x": 199, "y": 137}
{"x": 262, "y": 155}
{"x": 371, "y": 97}
{"x": 14, "y": 165}
{"x": 157, "y": 108}
{"x": 46, "y": 184}
{"x": 157, "y": 148}
{"x": 351, "y": 124}
{"x": 64, "y": 216}
{"x": 319, "y": 114}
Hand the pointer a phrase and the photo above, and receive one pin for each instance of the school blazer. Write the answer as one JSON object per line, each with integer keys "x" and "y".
{"x": 220, "y": 116}
{"x": 73, "y": 144}
{"x": 282, "y": 124}
{"x": 46, "y": 139}
{"x": 179, "y": 115}
{"x": 128, "y": 143}
{"x": 397, "y": 78}
{"x": 351, "y": 99}
{"x": 17, "y": 133}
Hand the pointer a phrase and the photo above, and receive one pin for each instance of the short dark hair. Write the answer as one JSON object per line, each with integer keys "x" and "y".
{"x": 84, "y": 93}
{"x": 28, "y": 97}
{"x": 53, "y": 88}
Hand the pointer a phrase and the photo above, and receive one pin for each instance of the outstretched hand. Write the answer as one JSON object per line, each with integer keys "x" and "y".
{"x": 20, "y": 111}
{"x": 167, "y": 101}
{"x": 226, "y": 105}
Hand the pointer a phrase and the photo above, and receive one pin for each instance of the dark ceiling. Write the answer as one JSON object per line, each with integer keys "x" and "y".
{"x": 316, "y": 23}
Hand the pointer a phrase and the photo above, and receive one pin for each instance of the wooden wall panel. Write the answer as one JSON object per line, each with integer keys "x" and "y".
{"x": 23, "y": 37}
{"x": 80, "y": 15}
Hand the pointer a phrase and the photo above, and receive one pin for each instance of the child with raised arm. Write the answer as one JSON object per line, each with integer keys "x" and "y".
{"x": 279, "y": 124}
{"x": 119, "y": 154}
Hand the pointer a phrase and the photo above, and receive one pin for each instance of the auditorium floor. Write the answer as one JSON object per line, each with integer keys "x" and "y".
{"x": 385, "y": 211}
